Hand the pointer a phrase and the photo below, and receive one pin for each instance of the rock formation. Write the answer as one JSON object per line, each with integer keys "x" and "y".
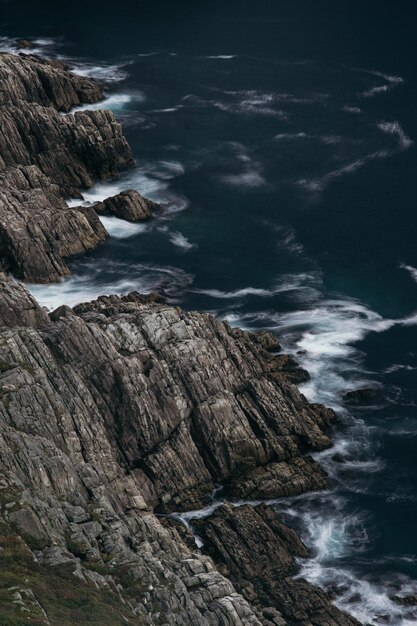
{"x": 46, "y": 156}
{"x": 117, "y": 413}
{"x": 127, "y": 205}
{"x": 125, "y": 406}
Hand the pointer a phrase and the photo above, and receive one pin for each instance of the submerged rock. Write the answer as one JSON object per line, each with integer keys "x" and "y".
{"x": 360, "y": 396}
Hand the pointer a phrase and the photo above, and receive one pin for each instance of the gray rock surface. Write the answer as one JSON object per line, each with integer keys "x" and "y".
{"x": 257, "y": 551}
{"x": 125, "y": 409}
{"x": 127, "y": 205}
{"x": 46, "y": 156}
{"x": 126, "y": 406}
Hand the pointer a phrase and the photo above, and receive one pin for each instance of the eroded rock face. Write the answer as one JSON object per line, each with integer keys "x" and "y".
{"x": 123, "y": 407}
{"x": 126, "y": 405}
{"x": 18, "y": 308}
{"x": 48, "y": 83}
{"x": 258, "y": 552}
{"x": 46, "y": 156}
{"x": 127, "y": 205}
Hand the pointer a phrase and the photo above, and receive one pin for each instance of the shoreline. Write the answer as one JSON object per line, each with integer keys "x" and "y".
{"x": 274, "y": 474}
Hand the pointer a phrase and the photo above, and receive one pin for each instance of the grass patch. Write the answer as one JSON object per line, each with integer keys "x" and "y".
{"x": 67, "y": 600}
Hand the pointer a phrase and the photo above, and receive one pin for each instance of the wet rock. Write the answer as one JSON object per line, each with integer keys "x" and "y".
{"x": 360, "y": 396}
{"x": 410, "y": 600}
{"x": 33, "y": 79}
{"x": 61, "y": 311}
{"x": 123, "y": 406}
{"x": 25, "y": 44}
{"x": 259, "y": 553}
{"x": 127, "y": 205}
{"x": 267, "y": 341}
{"x": 290, "y": 367}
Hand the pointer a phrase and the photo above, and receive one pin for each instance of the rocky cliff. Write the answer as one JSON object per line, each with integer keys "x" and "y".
{"x": 45, "y": 157}
{"x": 118, "y": 415}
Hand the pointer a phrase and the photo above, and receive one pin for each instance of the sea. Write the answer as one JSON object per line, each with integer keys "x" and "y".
{"x": 280, "y": 140}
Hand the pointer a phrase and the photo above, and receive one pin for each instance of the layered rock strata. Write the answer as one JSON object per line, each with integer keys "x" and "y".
{"x": 46, "y": 156}
{"x": 119, "y": 412}
{"x": 125, "y": 406}
{"x": 129, "y": 206}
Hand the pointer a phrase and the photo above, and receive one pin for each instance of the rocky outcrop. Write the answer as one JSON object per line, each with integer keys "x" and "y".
{"x": 116, "y": 413}
{"x": 253, "y": 548}
{"x": 46, "y": 156}
{"x": 48, "y": 83}
{"x": 17, "y": 307}
{"x": 37, "y": 229}
{"x": 127, "y": 205}
{"x": 125, "y": 406}
{"x": 360, "y": 396}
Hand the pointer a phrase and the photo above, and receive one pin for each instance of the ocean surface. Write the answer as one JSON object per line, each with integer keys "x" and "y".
{"x": 280, "y": 139}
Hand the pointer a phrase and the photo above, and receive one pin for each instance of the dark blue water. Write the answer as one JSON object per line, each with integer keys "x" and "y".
{"x": 280, "y": 139}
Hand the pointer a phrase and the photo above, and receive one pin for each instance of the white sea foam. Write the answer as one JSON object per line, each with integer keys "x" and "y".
{"x": 397, "y": 367}
{"x": 149, "y": 179}
{"x": 47, "y": 47}
{"x": 113, "y": 277}
{"x": 320, "y": 183}
{"x": 224, "y": 57}
{"x": 250, "y": 178}
{"x": 323, "y": 339}
{"x": 115, "y": 102}
{"x": 40, "y": 46}
{"x": 179, "y": 240}
{"x": 237, "y": 293}
{"x": 167, "y": 110}
{"x": 251, "y": 102}
{"x": 287, "y": 283}
{"x": 394, "y": 128}
{"x": 411, "y": 270}
{"x": 300, "y": 135}
{"x": 106, "y": 72}
{"x": 351, "y": 109}
{"x": 120, "y": 229}
{"x": 391, "y": 82}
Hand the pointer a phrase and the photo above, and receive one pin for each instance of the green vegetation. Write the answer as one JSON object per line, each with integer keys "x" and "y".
{"x": 67, "y": 600}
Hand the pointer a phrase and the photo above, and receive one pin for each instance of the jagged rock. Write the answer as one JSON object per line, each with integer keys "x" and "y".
{"x": 46, "y": 156}
{"x": 17, "y": 307}
{"x": 127, "y": 205}
{"x": 38, "y": 231}
{"x": 61, "y": 311}
{"x": 277, "y": 480}
{"x": 34, "y": 79}
{"x": 213, "y": 424}
{"x": 258, "y": 552}
{"x": 267, "y": 341}
{"x": 127, "y": 404}
{"x": 287, "y": 364}
{"x": 124, "y": 406}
